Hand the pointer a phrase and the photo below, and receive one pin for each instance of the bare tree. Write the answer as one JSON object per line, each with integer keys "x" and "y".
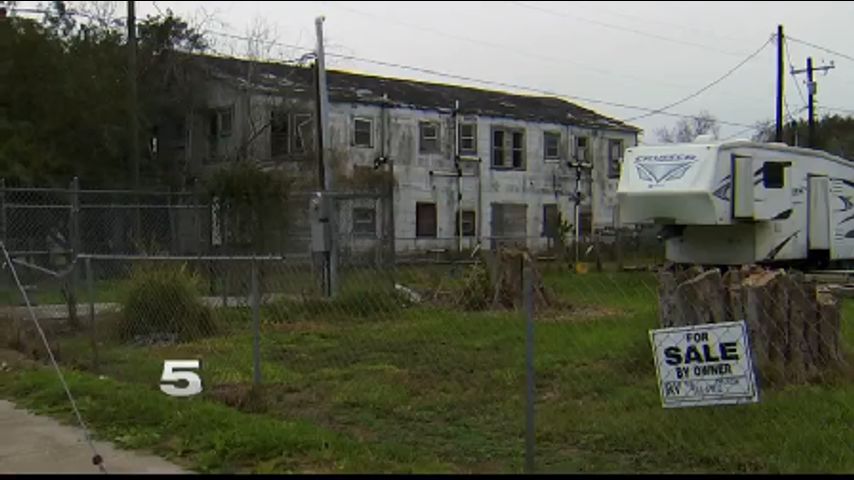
{"x": 687, "y": 129}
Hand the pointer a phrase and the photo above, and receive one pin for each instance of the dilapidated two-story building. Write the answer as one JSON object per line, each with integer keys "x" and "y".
{"x": 469, "y": 166}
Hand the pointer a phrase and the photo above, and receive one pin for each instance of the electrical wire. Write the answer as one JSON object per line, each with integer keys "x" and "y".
{"x": 624, "y": 29}
{"x": 792, "y": 72}
{"x": 706, "y": 87}
{"x": 96, "y": 457}
{"x": 825, "y": 49}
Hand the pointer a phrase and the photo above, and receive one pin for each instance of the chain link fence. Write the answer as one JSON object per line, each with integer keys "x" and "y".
{"x": 474, "y": 361}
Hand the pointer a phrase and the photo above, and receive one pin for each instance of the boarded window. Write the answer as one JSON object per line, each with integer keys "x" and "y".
{"x": 509, "y": 224}
{"x": 425, "y": 220}
{"x": 551, "y": 220}
{"x": 774, "y": 174}
{"x": 364, "y": 221}
{"x": 363, "y": 132}
{"x": 429, "y": 137}
{"x": 468, "y": 139}
{"x": 508, "y": 149}
{"x": 585, "y": 224}
{"x": 551, "y": 142}
{"x": 468, "y": 221}
{"x": 615, "y": 158}
{"x": 279, "y": 132}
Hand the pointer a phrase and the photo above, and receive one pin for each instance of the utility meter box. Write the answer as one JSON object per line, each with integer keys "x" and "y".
{"x": 319, "y": 212}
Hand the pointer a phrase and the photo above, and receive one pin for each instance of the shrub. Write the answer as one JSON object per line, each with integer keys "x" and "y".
{"x": 164, "y": 300}
{"x": 477, "y": 290}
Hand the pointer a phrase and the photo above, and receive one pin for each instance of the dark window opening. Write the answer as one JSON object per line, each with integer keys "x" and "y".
{"x": 508, "y": 149}
{"x": 581, "y": 152}
{"x": 468, "y": 223}
{"x": 615, "y": 158}
{"x": 279, "y": 133}
{"x": 498, "y": 148}
{"x": 774, "y": 174}
{"x": 425, "y": 220}
{"x": 551, "y": 221}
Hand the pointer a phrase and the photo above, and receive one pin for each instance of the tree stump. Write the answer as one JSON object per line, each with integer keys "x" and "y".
{"x": 506, "y": 270}
{"x": 794, "y": 328}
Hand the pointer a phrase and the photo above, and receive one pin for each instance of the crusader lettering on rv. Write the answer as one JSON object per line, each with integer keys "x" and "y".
{"x": 659, "y": 169}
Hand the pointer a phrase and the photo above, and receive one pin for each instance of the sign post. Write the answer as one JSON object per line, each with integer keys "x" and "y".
{"x": 704, "y": 365}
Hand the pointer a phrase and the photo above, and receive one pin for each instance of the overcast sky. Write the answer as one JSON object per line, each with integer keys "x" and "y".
{"x": 646, "y": 54}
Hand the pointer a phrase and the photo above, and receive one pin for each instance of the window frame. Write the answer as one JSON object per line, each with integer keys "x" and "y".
{"x": 781, "y": 168}
{"x": 466, "y": 232}
{"x": 615, "y": 164}
{"x": 284, "y": 146}
{"x": 509, "y": 149}
{"x": 356, "y": 223}
{"x": 370, "y": 122}
{"x": 422, "y": 139}
{"x": 556, "y": 136}
{"x": 545, "y": 230}
{"x": 435, "y": 221}
{"x": 585, "y": 148}
{"x": 472, "y": 137}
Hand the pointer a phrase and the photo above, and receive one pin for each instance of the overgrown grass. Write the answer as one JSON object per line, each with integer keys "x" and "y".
{"x": 408, "y": 385}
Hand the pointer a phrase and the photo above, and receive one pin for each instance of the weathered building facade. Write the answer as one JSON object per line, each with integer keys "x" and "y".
{"x": 469, "y": 166}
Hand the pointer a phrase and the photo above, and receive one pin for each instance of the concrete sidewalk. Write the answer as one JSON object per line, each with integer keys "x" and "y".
{"x": 36, "y": 444}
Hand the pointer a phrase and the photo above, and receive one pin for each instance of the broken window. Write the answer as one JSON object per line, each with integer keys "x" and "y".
{"x": 364, "y": 221}
{"x": 508, "y": 148}
{"x": 425, "y": 220}
{"x": 279, "y": 132}
{"x": 551, "y": 142}
{"x": 362, "y": 132}
{"x": 429, "y": 137}
{"x": 615, "y": 158}
{"x": 468, "y": 139}
{"x": 581, "y": 151}
{"x": 551, "y": 220}
{"x": 468, "y": 221}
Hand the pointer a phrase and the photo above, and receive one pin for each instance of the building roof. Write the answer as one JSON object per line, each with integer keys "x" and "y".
{"x": 370, "y": 89}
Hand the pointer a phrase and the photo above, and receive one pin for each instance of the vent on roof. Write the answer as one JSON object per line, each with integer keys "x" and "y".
{"x": 363, "y": 92}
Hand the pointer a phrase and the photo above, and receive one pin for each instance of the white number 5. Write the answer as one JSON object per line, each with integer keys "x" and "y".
{"x": 175, "y": 371}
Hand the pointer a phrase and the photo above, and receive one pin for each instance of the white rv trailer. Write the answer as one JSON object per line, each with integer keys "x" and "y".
{"x": 741, "y": 202}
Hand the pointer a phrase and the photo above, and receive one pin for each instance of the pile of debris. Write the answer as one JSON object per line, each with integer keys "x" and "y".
{"x": 794, "y": 324}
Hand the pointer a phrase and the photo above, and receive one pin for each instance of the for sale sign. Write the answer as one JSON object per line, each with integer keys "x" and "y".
{"x": 704, "y": 365}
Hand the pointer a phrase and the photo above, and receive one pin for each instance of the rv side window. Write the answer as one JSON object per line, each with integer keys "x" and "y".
{"x": 773, "y": 174}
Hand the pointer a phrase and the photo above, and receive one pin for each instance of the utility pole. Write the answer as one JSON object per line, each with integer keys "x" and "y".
{"x": 580, "y": 165}
{"x": 812, "y": 141}
{"x": 325, "y": 162}
{"x": 780, "y": 79}
{"x": 132, "y": 113}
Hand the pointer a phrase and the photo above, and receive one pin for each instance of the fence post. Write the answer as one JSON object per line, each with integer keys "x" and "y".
{"x": 256, "y": 325}
{"x": 3, "y": 224}
{"x": 90, "y": 289}
{"x": 74, "y": 233}
{"x": 528, "y": 300}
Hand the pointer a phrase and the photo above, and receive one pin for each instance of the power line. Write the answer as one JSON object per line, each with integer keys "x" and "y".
{"x": 792, "y": 73}
{"x": 708, "y": 86}
{"x": 624, "y": 29}
{"x": 587, "y": 68}
{"x": 482, "y": 81}
{"x": 822, "y": 48}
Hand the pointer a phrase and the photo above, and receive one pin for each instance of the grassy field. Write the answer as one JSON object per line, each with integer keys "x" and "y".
{"x": 361, "y": 385}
